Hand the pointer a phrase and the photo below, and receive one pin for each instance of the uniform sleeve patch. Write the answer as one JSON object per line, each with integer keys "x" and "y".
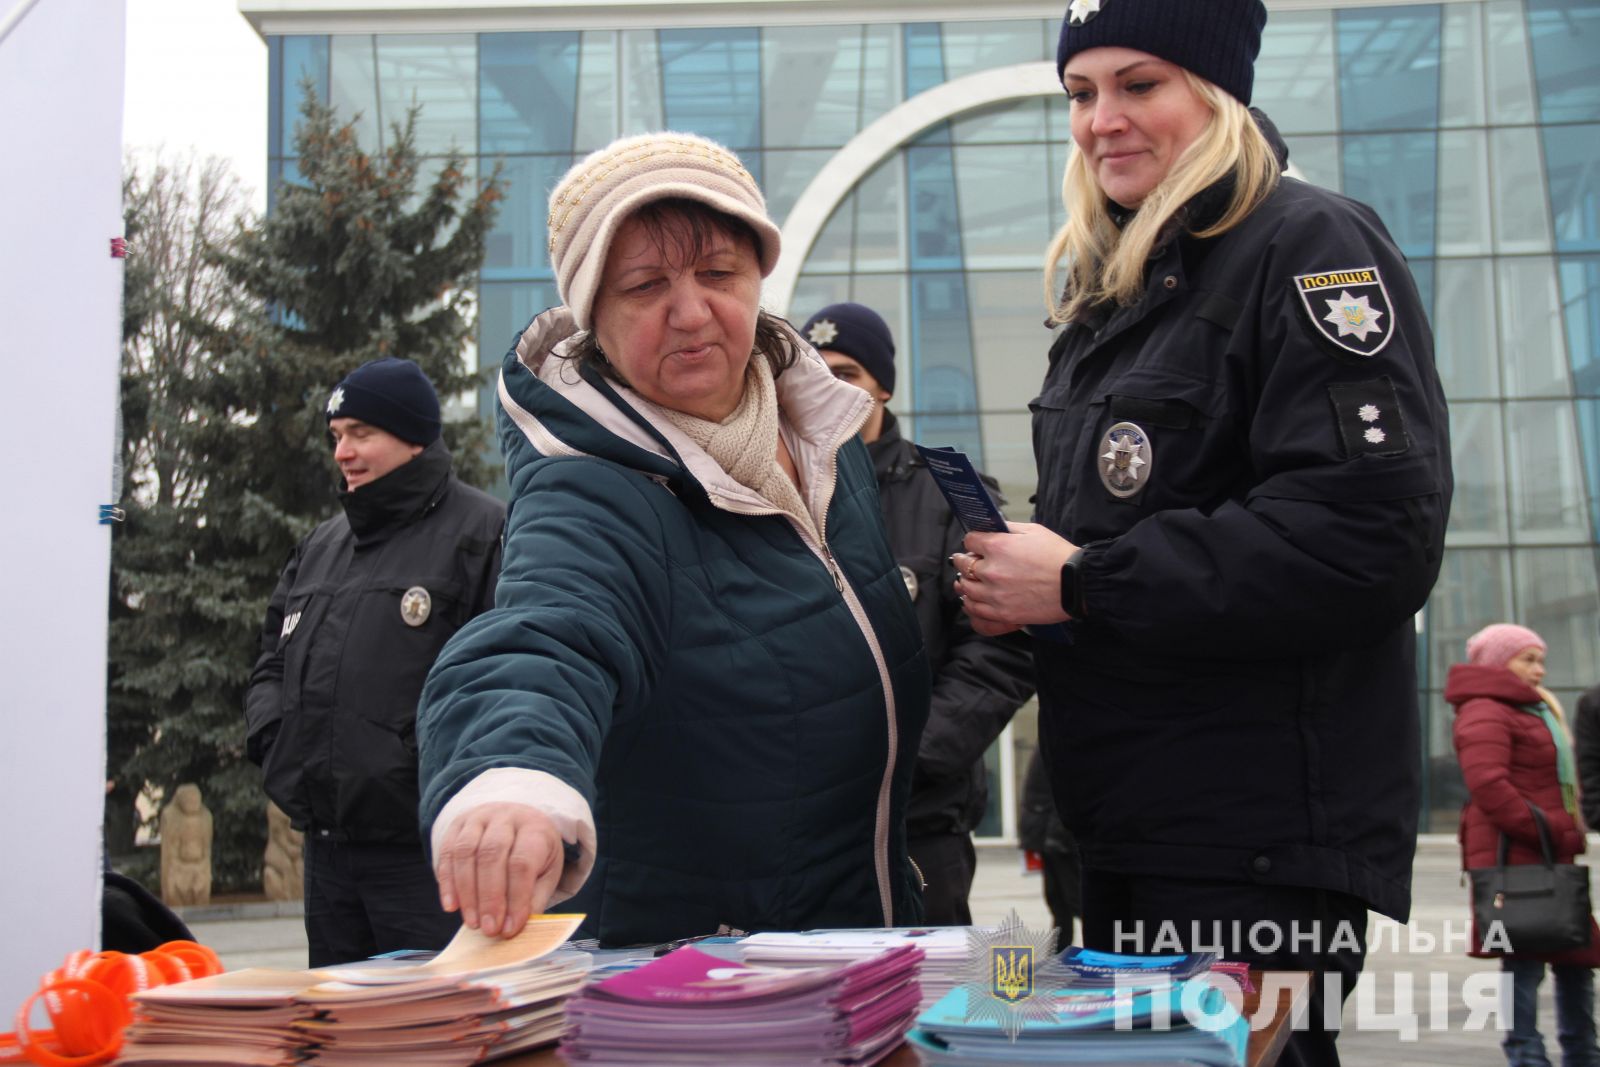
{"x": 1349, "y": 307}
{"x": 1368, "y": 414}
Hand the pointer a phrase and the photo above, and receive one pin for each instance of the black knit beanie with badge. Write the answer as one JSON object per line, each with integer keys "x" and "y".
{"x": 1216, "y": 39}
{"x": 391, "y": 394}
{"x": 858, "y": 332}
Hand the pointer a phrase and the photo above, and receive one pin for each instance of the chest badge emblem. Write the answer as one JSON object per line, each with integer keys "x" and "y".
{"x": 415, "y": 606}
{"x": 910, "y": 578}
{"x": 1125, "y": 460}
{"x": 289, "y": 623}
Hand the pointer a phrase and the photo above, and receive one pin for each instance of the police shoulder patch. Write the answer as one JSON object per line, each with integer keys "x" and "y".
{"x": 1368, "y": 414}
{"x": 1349, "y": 307}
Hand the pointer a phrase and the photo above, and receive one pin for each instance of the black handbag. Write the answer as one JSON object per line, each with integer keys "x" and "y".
{"x": 1540, "y": 907}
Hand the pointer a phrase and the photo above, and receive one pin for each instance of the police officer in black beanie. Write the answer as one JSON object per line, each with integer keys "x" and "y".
{"x": 362, "y": 609}
{"x": 1244, "y": 481}
{"x": 978, "y": 682}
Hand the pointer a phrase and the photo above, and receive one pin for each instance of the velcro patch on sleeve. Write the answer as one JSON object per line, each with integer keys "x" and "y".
{"x": 1349, "y": 308}
{"x": 1368, "y": 414}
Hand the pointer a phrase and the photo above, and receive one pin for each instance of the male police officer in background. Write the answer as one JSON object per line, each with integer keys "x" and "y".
{"x": 361, "y": 611}
{"x": 978, "y": 682}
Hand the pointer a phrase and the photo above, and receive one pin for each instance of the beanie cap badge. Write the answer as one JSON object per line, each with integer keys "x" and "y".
{"x": 1081, "y": 11}
{"x": 822, "y": 332}
{"x": 336, "y": 401}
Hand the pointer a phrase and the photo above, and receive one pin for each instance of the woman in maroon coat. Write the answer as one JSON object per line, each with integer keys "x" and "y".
{"x": 1515, "y": 752}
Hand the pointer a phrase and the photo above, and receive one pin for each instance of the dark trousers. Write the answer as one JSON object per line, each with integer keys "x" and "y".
{"x": 365, "y": 900}
{"x": 948, "y": 863}
{"x": 1063, "y": 891}
{"x": 1575, "y": 1030}
{"x": 1144, "y": 913}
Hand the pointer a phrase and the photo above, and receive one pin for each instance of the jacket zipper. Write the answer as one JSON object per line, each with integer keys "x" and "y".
{"x": 880, "y": 833}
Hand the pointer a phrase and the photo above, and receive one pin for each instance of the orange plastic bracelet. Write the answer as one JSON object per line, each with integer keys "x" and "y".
{"x": 88, "y": 1019}
{"x": 87, "y": 1000}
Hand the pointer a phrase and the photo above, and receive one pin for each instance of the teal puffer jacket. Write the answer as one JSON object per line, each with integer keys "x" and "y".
{"x": 738, "y": 708}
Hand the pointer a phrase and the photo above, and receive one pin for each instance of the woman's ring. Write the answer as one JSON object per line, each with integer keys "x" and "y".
{"x": 972, "y": 570}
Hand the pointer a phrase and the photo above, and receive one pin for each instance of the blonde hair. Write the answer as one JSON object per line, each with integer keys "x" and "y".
{"x": 1105, "y": 264}
{"x": 1554, "y": 705}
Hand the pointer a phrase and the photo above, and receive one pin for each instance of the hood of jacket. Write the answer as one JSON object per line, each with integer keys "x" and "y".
{"x": 561, "y": 409}
{"x": 1468, "y": 681}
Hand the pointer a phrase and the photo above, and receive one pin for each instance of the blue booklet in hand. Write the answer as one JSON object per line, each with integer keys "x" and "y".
{"x": 969, "y": 498}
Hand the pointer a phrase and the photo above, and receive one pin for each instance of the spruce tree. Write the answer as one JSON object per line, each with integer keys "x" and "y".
{"x": 360, "y": 258}
{"x": 171, "y": 605}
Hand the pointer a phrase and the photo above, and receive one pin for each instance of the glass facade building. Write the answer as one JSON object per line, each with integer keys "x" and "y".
{"x": 1472, "y": 126}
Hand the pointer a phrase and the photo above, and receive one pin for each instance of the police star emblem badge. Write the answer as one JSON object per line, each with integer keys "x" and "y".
{"x": 1125, "y": 460}
{"x": 1348, "y": 307}
{"x": 336, "y": 401}
{"x": 1012, "y": 974}
{"x": 1081, "y": 11}
{"x": 415, "y": 606}
{"x": 822, "y": 332}
{"x": 910, "y": 578}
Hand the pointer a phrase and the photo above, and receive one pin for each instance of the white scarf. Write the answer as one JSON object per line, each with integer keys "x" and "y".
{"x": 745, "y": 444}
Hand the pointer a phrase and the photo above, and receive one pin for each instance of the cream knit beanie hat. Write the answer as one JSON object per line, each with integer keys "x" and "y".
{"x": 593, "y": 199}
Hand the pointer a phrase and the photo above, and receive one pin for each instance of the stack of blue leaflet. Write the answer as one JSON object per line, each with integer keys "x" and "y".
{"x": 1167, "y": 1024}
{"x": 1091, "y": 968}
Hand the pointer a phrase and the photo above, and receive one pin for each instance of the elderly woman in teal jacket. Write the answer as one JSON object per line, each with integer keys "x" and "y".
{"x": 696, "y": 703}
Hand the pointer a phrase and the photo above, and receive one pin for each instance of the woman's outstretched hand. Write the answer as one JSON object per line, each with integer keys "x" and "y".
{"x": 499, "y": 864}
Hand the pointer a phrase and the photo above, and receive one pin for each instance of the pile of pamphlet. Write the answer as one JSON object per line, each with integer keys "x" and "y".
{"x": 690, "y": 1007}
{"x": 1090, "y": 969}
{"x": 944, "y": 949}
{"x": 480, "y": 998}
{"x": 1111, "y": 1009}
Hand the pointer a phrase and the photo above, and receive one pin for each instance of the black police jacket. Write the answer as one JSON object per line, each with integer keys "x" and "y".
{"x": 1255, "y": 458}
{"x": 978, "y": 682}
{"x": 1586, "y": 743}
{"x": 331, "y": 708}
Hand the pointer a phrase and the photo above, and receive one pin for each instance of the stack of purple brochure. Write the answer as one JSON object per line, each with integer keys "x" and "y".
{"x": 689, "y": 1007}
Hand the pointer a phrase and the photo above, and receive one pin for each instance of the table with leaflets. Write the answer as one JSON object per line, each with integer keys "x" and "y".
{"x": 844, "y": 996}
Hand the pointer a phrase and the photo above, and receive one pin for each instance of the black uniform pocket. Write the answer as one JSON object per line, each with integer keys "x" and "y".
{"x": 407, "y": 626}
{"x": 1164, "y": 442}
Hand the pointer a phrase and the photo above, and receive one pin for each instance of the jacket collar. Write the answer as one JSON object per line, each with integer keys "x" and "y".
{"x": 890, "y": 457}
{"x": 1177, "y": 248}
{"x": 1468, "y": 681}
{"x": 558, "y": 409}
{"x": 405, "y": 494}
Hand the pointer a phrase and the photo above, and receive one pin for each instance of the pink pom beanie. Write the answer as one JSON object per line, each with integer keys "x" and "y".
{"x": 1493, "y": 646}
{"x": 595, "y": 197}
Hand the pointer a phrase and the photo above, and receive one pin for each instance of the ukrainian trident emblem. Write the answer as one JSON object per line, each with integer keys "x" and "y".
{"x": 1013, "y": 972}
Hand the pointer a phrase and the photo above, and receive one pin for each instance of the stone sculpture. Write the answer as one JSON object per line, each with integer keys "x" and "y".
{"x": 186, "y": 849}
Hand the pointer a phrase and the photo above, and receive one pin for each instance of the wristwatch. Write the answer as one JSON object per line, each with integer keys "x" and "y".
{"x": 1072, "y": 587}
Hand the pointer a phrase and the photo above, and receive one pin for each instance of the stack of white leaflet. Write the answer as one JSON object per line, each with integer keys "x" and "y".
{"x": 944, "y": 951}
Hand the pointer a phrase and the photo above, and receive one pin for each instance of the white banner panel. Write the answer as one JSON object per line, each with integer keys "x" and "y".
{"x": 60, "y": 324}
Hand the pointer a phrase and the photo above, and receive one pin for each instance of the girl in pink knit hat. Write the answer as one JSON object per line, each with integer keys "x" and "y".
{"x": 1515, "y": 755}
